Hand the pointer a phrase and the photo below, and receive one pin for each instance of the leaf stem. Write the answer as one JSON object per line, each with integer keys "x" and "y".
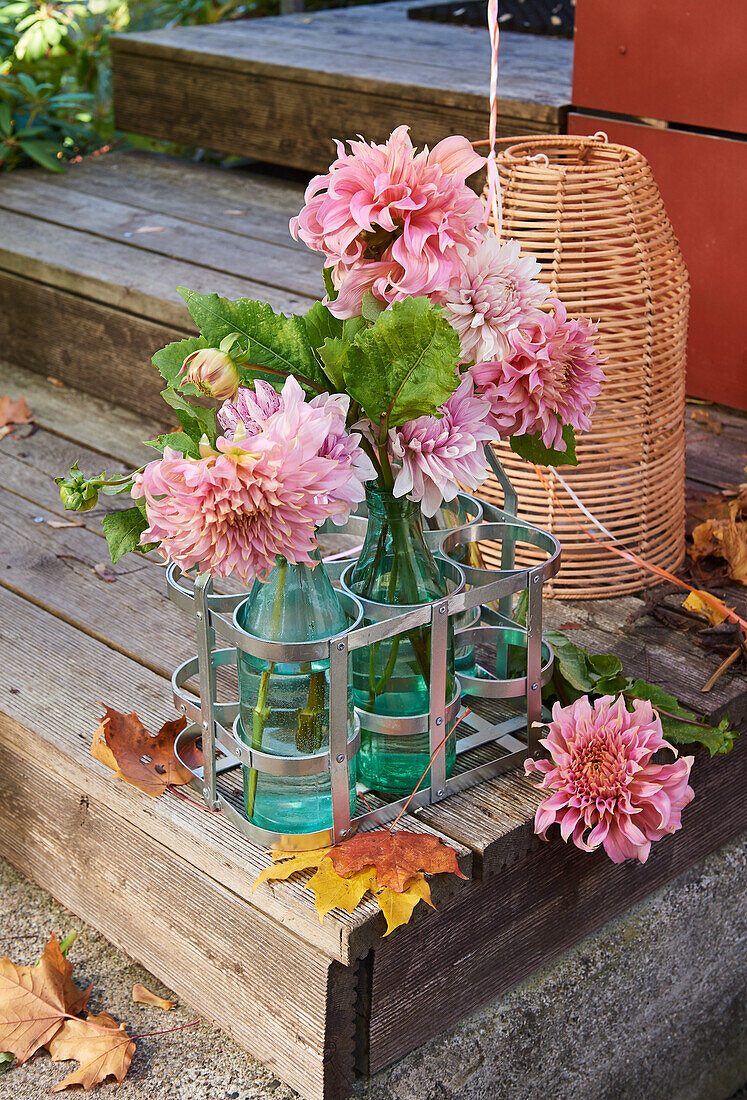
{"x": 261, "y": 712}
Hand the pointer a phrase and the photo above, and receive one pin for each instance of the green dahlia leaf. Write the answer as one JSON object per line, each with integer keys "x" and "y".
{"x": 170, "y": 360}
{"x": 534, "y": 450}
{"x": 123, "y": 531}
{"x": 404, "y": 365}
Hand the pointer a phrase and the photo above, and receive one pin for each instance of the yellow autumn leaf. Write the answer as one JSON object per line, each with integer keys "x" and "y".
{"x": 695, "y": 602}
{"x": 398, "y": 907}
{"x": 283, "y": 868}
{"x": 331, "y": 891}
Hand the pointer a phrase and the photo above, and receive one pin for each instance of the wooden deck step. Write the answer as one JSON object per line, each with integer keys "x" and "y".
{"x": 99, "y": 252}
{"x": 281, "y": 89}
{"x": 171, "y": 883}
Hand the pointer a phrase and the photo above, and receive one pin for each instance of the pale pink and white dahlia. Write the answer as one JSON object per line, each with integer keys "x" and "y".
{"x": 605, "y": 788}
{"x": 550, "y": 377}
{"x": 261, "y": 494}
{"x": 436, "y": 455}
{"x": 496, "y": 292}
{"x": 392, "y": 221}
{"x": 250, "y": 408}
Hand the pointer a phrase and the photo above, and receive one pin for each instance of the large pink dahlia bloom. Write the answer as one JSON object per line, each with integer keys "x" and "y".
{"x": 392, "y": 221}
{"x": 263, "y": 493}
{"x": 550, "y": 377}
{"x": 436, "y": 455}
{"x": 495, "y": 292}
{"x": 604, "y": 783}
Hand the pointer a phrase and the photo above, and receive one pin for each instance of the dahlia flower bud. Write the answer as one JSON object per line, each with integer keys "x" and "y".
{"x": 213, "y": 372}
{"x": 77, "y": 493}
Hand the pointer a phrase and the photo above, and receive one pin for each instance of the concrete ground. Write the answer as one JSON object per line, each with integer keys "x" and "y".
{"x": 650, "y": 1008}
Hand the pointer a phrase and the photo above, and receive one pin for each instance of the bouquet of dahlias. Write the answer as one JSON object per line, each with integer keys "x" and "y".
{"x": 434, "y": 338}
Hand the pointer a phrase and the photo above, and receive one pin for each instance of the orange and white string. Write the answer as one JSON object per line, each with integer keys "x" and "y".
{"x": 493, "y": 201}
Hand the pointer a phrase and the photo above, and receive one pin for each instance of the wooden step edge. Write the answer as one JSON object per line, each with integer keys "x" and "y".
{"x": 142, "y": 48}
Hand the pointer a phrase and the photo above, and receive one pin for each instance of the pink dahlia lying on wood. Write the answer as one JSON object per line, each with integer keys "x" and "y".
{"x": 606, "y": 790}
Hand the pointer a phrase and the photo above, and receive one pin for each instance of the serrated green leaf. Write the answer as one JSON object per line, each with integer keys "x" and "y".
{"x": 719, "y": 740}
{"x": 123, "y": 530}
{"x": 195, "y": 420}
{"x": 605, "y": 664}
{"x": 178, "y": 441}
{"x": 522, "y": 607}
{"x": 571, "y": 661}
{"x": 611, "y": 685}
{"x": 403, "y": 366}
{"x": 170, "y": 360}
{"x": 272, "y": 340}
{"x": 534, "y": 450}
{"x": 321, "y": 325}
{"x": 334, "y": 355}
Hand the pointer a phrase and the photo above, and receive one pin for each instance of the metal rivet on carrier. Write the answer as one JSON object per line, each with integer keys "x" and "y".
{"x": 344, "y": 833}
{"x": 340, "y": 645}
{"x": 534, "y": 687}
{"x": 340, "y": 758}
{"x": 535, "y": 579}
{"x": 442, "y": 610}
{"x": 199, "y": 614}
{"x": 205, "y": 726}
{"x": 441, "y": 793}
{"x": 205, "y": 793}
{"x": 439, "y": 721}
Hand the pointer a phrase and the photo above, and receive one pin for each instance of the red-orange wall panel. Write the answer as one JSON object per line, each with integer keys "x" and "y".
{"x": 703, "y": 181}
{"x": 676, "y": 60}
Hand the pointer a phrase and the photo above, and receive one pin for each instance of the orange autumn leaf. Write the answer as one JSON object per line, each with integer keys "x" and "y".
{"x": 32, "y": 1006}
{"x": 143, "y": 996}
{"x": 14, "y": 412}
{"x": 74, "y": 999}
{"x": 397, "y": 857}
{"x": 101, "y": 1053}
{"x": 147, "y": 762}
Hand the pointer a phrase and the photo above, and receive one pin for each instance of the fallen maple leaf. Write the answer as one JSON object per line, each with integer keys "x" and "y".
{"x": 14, "y": 412}
{"x": 397, "y": 857}
{"x": 331, "y": 891}
{"x": 703, "y": 417}
{"x": 145, "y": 761}
{"x": 32, "y": 1006}
{"x": 695, "y": 602}
{"x": 143, "y": 996}
{"x": 387, "y": 865}
{"x": 398, "y": 907}
{"x": 74, "y": 999}
{"x": 101, "y": 1053}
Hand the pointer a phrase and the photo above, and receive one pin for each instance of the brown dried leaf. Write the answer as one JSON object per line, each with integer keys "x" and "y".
{"x": 32, "y": 1006}
{"x": 143, "y": 996}
{"x": 704, "y": 418}
{"x": 102, "y": 570}
{"x": 14, "y": 412}
{"x": 65, "y": 523}
{"x": 74, "y": 999}
{"x": 724, "y": 538}
{"x": 397, "y": 857}
{"x": 146, "y": 761}
{"x": 101, "y": 1053}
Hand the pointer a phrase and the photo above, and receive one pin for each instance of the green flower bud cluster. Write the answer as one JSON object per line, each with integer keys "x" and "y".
{"x": 79, "y": 493}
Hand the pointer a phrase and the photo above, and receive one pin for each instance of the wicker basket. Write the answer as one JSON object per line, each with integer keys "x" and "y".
{"x": 591, "y": 213}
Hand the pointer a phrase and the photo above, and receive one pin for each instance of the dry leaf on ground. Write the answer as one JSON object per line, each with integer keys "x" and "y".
{"x": 14, "y": 412}
{"x": 397, "y": 857}
{"x": 101, "y": 1053}
{"x": 724, "y": 538}
{"x": 32, "y": 1006}
{"x": 387, "y": 865}
{"x": 75, "y": 999}
{"x": 695, "y": 602}
{"x": 145, "y": 761}
{"x": 143, "y": 996}
{"x": 707, "y": 421}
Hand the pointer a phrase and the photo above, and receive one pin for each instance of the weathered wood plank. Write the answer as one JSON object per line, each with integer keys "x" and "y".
{"x": 111, "y": 355}
{"x": 507, "y": 927}
{"x": 265, "y": 987}
{"x": 716, "y": 461}
{"x": 282, "y": 265}
{"x": 81, "y": 419}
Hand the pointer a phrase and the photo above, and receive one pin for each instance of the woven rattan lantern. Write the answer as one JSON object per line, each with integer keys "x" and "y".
{"x": 591, "y": 213}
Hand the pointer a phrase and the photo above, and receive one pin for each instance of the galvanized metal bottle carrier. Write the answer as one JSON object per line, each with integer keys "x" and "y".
{"x": 472, "y": 588}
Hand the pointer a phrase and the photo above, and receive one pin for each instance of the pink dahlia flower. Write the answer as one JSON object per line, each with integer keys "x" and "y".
{"x": 250, "y": 408}
{"x": 604, "y": 784}
{"x": 258, "y": 496}
{"x": 392, "y": 221}
{"x": 436, "y": 455}
{"x": 550, "y": 377}
{"x": 495, "y": 292}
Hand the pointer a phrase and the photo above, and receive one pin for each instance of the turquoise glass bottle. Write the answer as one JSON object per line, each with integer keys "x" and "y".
{"x": 284, "y": 708}
{"x": 392, "y": 677}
